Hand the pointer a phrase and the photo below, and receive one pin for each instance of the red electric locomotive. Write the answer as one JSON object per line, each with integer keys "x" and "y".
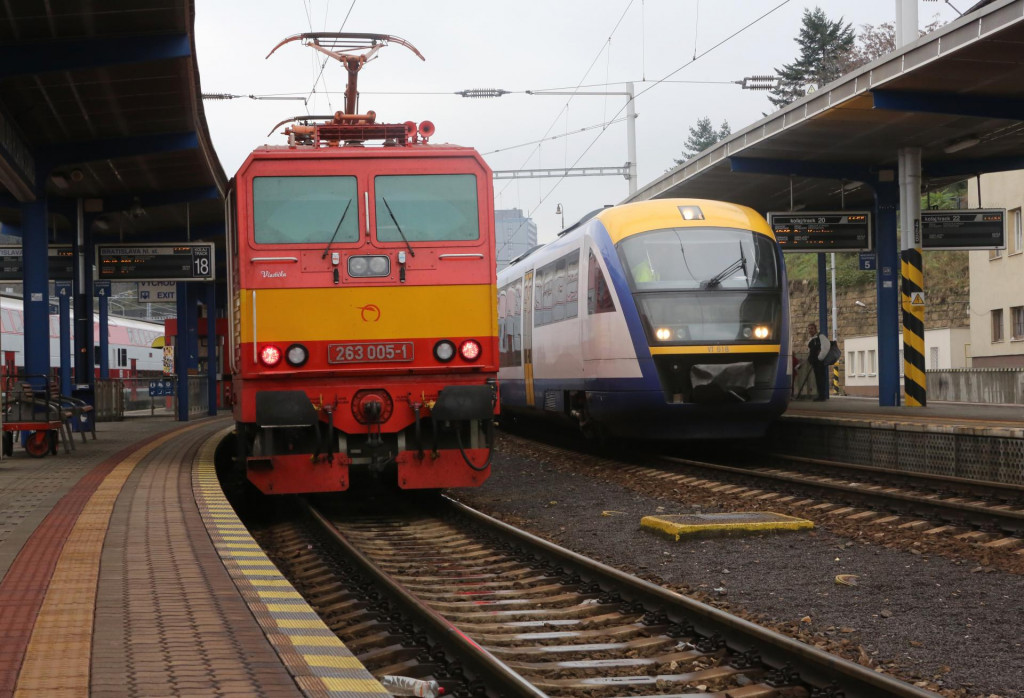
{"x": 363, "y": 320}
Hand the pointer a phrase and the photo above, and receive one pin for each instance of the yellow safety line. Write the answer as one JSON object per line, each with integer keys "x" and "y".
{"x": 312, "y": 653}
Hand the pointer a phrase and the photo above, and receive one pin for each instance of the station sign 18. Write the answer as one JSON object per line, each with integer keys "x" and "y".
{"x": 822, "y": 231}
{"x": 161, "y": 388}
{"x": 157, "y": 262}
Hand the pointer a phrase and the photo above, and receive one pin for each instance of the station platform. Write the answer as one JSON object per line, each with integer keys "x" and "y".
{"x": 970, "y": 441}
{"x": 124, "y": 572}
{"x": 981, "y": 419}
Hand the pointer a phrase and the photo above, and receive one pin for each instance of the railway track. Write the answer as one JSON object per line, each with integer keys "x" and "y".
{"x": 447, "y": 593}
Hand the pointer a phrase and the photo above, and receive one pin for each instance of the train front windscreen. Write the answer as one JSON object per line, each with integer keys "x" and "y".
{"x": 705, "y": 285}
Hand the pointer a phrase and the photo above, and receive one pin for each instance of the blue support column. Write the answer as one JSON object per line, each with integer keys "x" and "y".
{"x": 181, "y": 352}
{"x": 212, "y": 346}
{"x": 64, "y": 296}
{"x": 822, "y": 294}
{"x": 36, "y": 290}
{"x": 887, "y": 199}
{"x": 84, "y": 362}
{"x": 104, "y": 356}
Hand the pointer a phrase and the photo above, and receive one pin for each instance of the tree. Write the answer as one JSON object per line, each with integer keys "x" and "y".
{"x": 702, "y": 136}
{"x": 825, "y": 47}
{"x": 874, "y": 42}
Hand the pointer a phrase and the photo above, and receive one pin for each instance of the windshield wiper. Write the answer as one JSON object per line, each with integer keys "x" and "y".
{"x": 716, "y": 280}
{"x": 398, "y": 227}
{"x": 342, "y": 220}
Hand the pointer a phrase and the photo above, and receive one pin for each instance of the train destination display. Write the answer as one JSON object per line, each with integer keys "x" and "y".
{"x": 170, "y": 262}
{"x": 60, "y": 263}
{"x": 822, "y": 231}
{"x": 973, "y": 229}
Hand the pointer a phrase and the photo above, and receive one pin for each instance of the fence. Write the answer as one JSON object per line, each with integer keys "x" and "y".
{"x": 115, "y": 397}
{"x": 1003, "y": 386}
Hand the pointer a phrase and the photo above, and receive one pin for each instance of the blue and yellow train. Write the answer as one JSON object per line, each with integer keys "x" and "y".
{"x": 664, "y": 319}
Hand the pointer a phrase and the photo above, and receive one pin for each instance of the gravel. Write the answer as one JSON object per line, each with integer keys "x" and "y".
{"x": 948, "y": 625}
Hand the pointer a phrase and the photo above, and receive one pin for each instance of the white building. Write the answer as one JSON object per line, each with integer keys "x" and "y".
{"x": 997, "y": 277}
{"x": 514, "y": 234}
{"x": 944, "y": 348}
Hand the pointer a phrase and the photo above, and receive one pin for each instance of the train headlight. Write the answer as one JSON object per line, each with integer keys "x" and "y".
{"x": 369, "y": 265}
{"x": 270, "y": 355}
{"x": 470, "y": 350}
{"x": 663, "y": 334}
{"x": 691, "y": 213}
{"x": 762, "y": 332}
{"x": 444, "y": 351}
{"x": 296, "y": 355}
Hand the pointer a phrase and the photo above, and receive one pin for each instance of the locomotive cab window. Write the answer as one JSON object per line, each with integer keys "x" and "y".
{"x": 700, "y": 258}
{"x": 705, "y": 285}
{"x": 299, "y": 210}
{"x": 426, "y": 208}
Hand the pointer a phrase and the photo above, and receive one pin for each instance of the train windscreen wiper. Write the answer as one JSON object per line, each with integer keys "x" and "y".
{"x": 342, "y": 220}
{"x": 398, "y": 227}
{"x": 716, "y": 280}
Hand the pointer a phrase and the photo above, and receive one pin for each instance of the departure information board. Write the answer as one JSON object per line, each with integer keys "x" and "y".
{"x": 973, "y": 229}
{"x": 163, "y": 262}
{"x": 60, "y": 263}
{"x": 822, "y": 231}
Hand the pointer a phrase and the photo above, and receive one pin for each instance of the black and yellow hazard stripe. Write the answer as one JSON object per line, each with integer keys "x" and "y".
{"x": 914, "y": 385}
{"x": 835, "y": 379}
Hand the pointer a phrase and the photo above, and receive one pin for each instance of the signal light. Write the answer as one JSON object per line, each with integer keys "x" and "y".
{"x": 470, "y": 350}
{"x": 444, "y": 351}
{"x": 270, "y": 355}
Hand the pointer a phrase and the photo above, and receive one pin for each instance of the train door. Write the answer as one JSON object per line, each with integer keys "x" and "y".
{"x": 528, "y": 336}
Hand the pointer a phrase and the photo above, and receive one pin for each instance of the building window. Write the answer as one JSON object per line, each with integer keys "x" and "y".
{"x": 871, "y": 362}
{"x": 933, "y": 358}
{"x": 1016, "y": 233}
{"x": 850, "y": 365}
{"x": 997, "y": 325}
{"x": 860, "y": 363}
{"x": 1017, "y": 317}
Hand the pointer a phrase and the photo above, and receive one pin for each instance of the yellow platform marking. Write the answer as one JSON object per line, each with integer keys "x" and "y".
{"x": 267, "y": 592}
{"x": 57, "y": 661}
{"x": 672, "y": 527}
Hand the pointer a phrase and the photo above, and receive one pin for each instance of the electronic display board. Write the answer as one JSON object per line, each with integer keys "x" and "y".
{"x": 156, "y": 262}
{"x": 972, "y": 229}
{"x": 60, "y": 263}
{"x": 822, "y": 231}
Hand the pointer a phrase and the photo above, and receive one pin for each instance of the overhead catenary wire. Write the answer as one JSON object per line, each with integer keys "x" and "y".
{"x": 696, "y": 57}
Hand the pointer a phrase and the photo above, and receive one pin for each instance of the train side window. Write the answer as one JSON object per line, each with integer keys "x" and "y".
{"x": 599, "y": 296}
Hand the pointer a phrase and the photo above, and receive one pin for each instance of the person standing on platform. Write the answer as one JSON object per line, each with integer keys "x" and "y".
{"x": 817, "y": 350}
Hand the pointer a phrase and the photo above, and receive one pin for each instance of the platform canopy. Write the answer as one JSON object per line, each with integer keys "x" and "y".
{"x": 100, "y": 100}
{"x": 957, "y": 93}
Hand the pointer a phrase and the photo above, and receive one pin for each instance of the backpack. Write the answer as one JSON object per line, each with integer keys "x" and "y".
{"x": 833, "y": 353}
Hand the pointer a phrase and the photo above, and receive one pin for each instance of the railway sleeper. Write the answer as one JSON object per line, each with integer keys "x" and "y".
{"x": 674, "y": 661}
{"x": 620, "y": 633}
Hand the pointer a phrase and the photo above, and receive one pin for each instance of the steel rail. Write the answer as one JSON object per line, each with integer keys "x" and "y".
{"x": 1006, "y": 520}
{"x": 776, "y": 650}
{"x": 480, "y": 662}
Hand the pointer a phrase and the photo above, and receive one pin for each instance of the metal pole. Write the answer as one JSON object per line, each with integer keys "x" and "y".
{"x": 906, "y": 22}
{"x": 913, "y": 298}
{"x": 631, "y": 137}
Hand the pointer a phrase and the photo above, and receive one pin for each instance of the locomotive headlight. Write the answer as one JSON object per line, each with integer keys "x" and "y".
{"x": 357, "y": 266}
{"x": 762, "y": 332}
{"x": 444, "y": 351}
{"x": 747, "y": 332}
{"x": 296, "y": 355}
{"x": 663, "y": 334}
{"x": 270, "y": 355}
{"x": 369, "y": 265}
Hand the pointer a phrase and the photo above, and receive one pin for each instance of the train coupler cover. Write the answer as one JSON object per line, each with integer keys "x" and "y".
{"x": 458, "y": 403}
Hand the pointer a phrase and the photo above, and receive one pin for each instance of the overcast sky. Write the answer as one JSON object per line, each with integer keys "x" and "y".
{"x": 520, "y": 46}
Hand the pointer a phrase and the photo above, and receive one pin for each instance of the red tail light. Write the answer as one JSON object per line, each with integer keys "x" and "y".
{"x": 270, "y": 355}
{"x": 470, "y": 350}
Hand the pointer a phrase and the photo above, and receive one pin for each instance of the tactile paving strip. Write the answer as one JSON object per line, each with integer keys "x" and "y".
{"x": 319, "y": 661}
